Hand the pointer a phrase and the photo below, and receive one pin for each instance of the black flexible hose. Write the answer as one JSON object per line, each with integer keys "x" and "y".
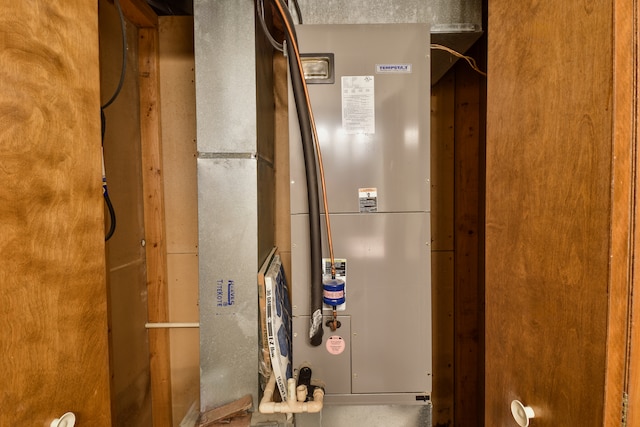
{"x": 112, "y": 215}
{"x": 315, "y": 238}
{"x": 105, "y": 192}
{"x": 296, "y": 5}
{"x": 103, "y": 119}
{"x": 123, "y": 32}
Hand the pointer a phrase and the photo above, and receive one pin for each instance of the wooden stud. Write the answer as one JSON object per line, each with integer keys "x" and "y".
{"x": 153, "y": 187}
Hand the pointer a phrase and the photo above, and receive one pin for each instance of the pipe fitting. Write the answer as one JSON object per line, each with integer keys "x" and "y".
{"x": 295, "y": 403}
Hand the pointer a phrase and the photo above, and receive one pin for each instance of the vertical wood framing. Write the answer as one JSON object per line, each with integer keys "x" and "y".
{"x": 154, "y": 225}
{"x": 143, "y": 17}
{"x": 442, "y": 247}
{"x": 632, "y": 64}
{"x": 623, "y": 204}
{"x": 125, "y": 256}
{"x": 468, "y": 293}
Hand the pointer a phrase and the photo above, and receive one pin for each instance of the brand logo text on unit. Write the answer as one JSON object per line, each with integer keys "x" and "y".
{"x": 393, "y": 68}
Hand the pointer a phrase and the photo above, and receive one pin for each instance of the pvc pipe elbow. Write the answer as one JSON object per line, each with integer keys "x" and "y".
{"x": 295, "y": 404}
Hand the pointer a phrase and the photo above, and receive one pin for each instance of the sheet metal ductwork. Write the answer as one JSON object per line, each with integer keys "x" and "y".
{"x": 456, "y": 24}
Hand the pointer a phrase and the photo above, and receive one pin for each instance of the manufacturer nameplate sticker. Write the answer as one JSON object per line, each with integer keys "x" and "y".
{"x": 393, "y": 68}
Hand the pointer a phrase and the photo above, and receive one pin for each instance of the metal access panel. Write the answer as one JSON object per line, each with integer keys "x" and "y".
{"x": 373, "y": 126}
{"x": 394, "y": 158}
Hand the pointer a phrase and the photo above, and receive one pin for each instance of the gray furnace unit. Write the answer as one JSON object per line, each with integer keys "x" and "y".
{"x": 369, "y": 88}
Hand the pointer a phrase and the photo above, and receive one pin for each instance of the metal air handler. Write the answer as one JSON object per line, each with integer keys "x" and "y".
{"x": 373, "y": 127}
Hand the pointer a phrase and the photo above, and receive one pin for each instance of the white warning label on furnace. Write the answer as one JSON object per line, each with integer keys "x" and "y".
{"x": 368, "y": 199}
{"x": 358, "y": 106}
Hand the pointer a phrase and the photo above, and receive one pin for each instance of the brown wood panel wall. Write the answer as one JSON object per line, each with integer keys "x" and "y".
{"x": 52, "y": 275}
{"x": 549, "y": 139}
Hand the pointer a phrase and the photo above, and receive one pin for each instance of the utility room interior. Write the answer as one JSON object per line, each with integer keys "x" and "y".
{"x": 479, "y": 186}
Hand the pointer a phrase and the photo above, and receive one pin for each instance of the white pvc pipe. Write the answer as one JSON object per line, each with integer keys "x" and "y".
{"x": 294, "y": 405}
{"x": 301, "y": 393}
{"x": 171, "y": 325}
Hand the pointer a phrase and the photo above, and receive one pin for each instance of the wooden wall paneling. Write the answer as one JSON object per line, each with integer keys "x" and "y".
{"x": 154, "y": 218}
{"x": 623, "y": 205}
{"x": 177, "y": 90}
{"x": 548, "y": 216}
{"x": 52, "y": 275}
{"x": 442, "y": 182}
{"x": 468, "y": 246}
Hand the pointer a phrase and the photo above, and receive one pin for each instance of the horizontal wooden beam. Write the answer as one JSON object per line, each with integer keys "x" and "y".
{"x": 139, "y": 13}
